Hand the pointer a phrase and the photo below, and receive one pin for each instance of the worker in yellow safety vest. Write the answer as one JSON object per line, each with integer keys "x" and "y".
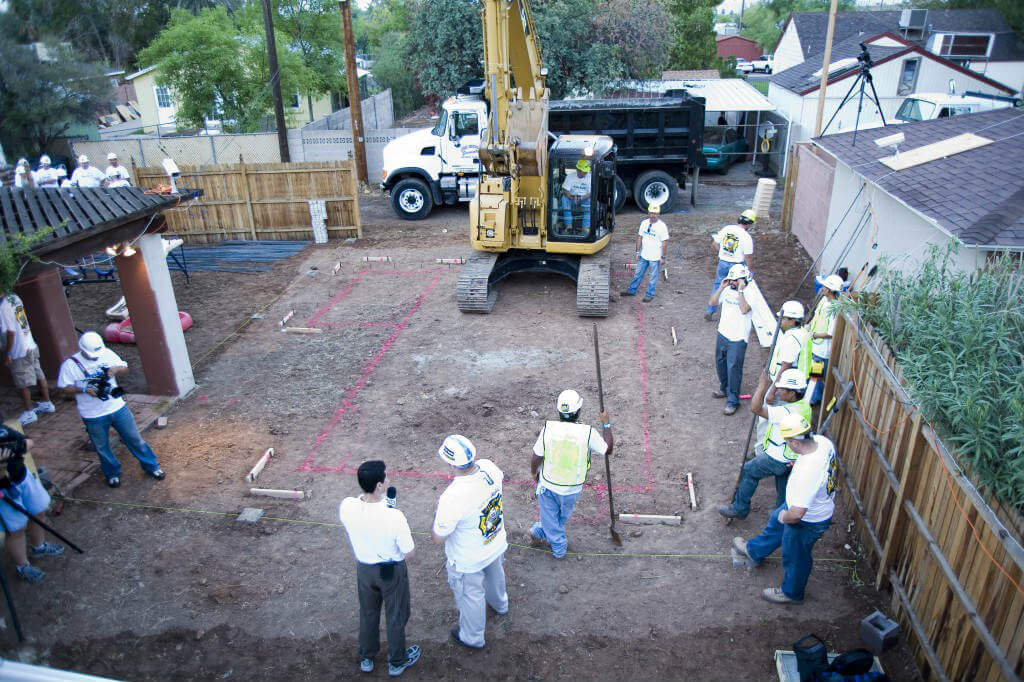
{"x": 560, "y": 462}
{"x": 822, "y": 326}
{"x": 772, "y": 457}
{"x": 793, "y": 347}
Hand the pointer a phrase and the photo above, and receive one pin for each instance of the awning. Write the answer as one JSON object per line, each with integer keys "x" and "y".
{"x": 723, "y": 94}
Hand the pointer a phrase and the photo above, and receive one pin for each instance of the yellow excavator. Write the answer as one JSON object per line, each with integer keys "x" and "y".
{"x": 542, "y": 205}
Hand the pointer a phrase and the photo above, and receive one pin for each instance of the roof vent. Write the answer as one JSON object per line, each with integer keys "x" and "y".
{"x": 913, "y": 19}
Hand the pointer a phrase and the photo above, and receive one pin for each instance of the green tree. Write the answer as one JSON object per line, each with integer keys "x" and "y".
{"x": 41, "y": 100}
{"x": 312, "y": 29}
{"x": 391, "y": 70}
{"x": 692, "y": 35}
{"x": 381, "y": 21}
{"x": 761, "y": 25}
{"x": 638, "y": 31}
{"x": 445, "y": 47}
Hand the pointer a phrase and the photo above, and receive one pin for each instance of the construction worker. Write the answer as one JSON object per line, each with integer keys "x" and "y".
{"x": 793, "y": 347}
{"x": 86, "y": 175}
{"x": 117, "y": 175}
{"x": 733, "y": 331}
{"x": 470, "y": 525}
{"x": 22, "y": 358}
{"x": 651, "y": 249}
{"x": 804, "y": 517}
{"x": 822, "y": 326}
{"x": 23, "y": 174}
{"x": 46, "y": 176}
{"x": 734, "y": 246}
{"x": 772, "y": 457}
{"x": 576, "y": 195}
{"x": 561, "y": 459}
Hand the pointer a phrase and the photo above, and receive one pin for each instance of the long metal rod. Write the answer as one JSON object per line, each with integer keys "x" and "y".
{"x": 607, "y": 464}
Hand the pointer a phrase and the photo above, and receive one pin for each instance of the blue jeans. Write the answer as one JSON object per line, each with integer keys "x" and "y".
{"x": 819, "y": 385}
{"x": 797, "y": 540}
{"x": 729, "y": 363}
{"x": 124, "y": 423}
{"x": 762, "y": 466}
{"x": 642, "y": 266}
{"x": 720, "y": 272}
{"x": 567, "y": 210}
{"x": 555, "y": 511}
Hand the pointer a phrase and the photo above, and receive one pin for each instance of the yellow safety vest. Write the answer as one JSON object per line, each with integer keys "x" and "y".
{"x": 803, "y": 361}
{"x": 566, "y": 453}
{"x": 773, "y": 435}
{"x": 822, "y": 320}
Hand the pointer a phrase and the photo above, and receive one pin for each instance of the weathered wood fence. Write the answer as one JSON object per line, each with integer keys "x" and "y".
{"x": 261, "y": 200}
{"x": 951, "y": 556}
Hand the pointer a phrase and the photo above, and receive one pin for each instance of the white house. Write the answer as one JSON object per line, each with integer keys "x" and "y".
{"x": 977, "y": 39}
{"x": 900, "y": 68}
{"x": 854, "y": 209}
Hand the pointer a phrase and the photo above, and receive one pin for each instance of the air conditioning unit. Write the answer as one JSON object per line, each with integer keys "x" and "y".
{"x": 913, "y": 19}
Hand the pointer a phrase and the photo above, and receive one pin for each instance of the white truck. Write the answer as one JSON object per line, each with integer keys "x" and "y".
{"x": 926, "y": 106}
{"x": 762, "y": 64}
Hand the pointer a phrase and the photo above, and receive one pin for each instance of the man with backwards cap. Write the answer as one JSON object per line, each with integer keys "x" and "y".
{"x": 80, "y": 376}
{"x": 576, "y": 195}
{"x": 117, "y": 175}
{"x": 651, "y": 247}
{"x": 822, "y": 327}
{"x": 560, "y": 462}
{"x": 46, "y": 175}
{"x": 470, "y": 525}
{"x": 733, "y": 331}
{"x": 86, "y": 175}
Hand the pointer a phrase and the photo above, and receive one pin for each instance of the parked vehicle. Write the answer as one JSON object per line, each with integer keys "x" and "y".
{"x": 926, "y": 106}
{"x": 743, "y": 66}
{"x": 762, "y": 64}
{"x": 659, "y": 141}
{"x": 723, "y": 147}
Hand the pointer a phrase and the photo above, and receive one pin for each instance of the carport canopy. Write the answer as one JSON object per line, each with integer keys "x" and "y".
{"x": 721, "y": 94}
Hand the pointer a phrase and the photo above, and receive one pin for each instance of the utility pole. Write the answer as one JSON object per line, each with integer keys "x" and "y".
{"x": 824, "y": 69}
{"x": 275, "y": 82}
{"x": 352, "y": 78}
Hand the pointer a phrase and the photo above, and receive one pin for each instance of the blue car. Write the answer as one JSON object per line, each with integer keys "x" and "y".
{"x": 723, "y": 147}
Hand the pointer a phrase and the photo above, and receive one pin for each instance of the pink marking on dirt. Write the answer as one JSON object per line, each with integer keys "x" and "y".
{"x": 645, "y": 421}
{"x": 353, "y": 392}
{"x": 337, "y": 325}
{"x": 337, "y": 298}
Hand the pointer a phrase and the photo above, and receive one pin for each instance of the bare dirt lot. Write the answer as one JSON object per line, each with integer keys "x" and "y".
{"x": 173, "y": 587}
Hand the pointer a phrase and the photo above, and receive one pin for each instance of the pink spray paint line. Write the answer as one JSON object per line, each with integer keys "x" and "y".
{"x": 339, "y": 325}
{"x": 312, "y": 322}
{"x": 356, "y": 389}
{"x": 644, "y": 415}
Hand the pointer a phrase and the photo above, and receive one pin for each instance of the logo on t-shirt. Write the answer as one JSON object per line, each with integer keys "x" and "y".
{"x": 730, "y": 243}
{"x": 490, "y": 519}
{"x": 833, "y": 475}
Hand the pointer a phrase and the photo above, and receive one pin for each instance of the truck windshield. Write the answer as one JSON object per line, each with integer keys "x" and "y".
{"x": 442, "y": 124}
{"x": 915, "y": 110}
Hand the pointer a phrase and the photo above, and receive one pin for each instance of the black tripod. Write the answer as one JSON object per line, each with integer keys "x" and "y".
{"x": 863, "y": 77}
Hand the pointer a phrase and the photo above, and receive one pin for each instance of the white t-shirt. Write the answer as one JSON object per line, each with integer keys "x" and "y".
{"x": 595, "y": 443}
{"x": 19, "y": 176}
{"x": 469, "y": 513}
{"x": 377, "y": 532}
{"x": 651, "y": 238}
{"x": 823, "y": 347}
{"x": 118, "y": 176}
{"x": 789, "y": 349}
{"x": 577, "y": 186}
{"x": 88, "y": 177}
{"x": 733, "y": 324}
{"x": 813, "y": 482}
{"x": 734, "y": 244}
{"x": 90, "y": 407}
{"x": 46, "y": 177}
{"x": 14, "y": 319}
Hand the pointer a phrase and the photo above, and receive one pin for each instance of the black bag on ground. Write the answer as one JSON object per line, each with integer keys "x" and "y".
{"x": 853, "y": 662}
{"x": 811, "y": 657}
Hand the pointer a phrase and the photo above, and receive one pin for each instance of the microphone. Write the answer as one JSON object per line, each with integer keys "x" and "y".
{"x": 392, "y": 497}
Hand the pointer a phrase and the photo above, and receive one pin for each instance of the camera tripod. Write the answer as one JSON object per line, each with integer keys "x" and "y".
{"x": 864, "y": 77}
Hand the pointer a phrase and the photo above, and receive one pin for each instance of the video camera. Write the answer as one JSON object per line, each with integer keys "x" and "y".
{"x": 12, "y": 445}
{"x": 865, "y": 57}
{"x": 101, "y": 384}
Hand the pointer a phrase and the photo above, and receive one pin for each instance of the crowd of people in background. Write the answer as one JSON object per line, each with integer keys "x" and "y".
{"x": 48, "y": 176}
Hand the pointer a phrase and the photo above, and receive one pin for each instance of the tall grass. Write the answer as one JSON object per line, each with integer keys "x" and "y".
{"x": 959, "y": 339}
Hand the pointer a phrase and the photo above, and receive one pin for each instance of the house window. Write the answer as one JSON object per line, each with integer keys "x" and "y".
{"x": 908, "y": 76}
{"x": 163, "y": 97}
{"x": 964, "y": 45}
{"x": 294, "y": 104}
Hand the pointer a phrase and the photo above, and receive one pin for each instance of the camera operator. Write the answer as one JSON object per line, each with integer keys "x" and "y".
{"x": 22, "y": 487}
{"x": 90, "y": 376}
{"x": 733, "y": 331}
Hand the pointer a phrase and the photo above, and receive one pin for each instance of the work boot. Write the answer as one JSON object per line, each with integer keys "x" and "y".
{"x": 777, "y": 596}
{"x": 718, "y": 394}
{"x": 740, "y": 545}
{"x": 537, "y": 542}
{"x": 648, "y": 299}
{"x": 627, "y": 292}
{"x": 708, "y": 317}
{"x": 729, "y": 512}
{"x": 730, "y": 409}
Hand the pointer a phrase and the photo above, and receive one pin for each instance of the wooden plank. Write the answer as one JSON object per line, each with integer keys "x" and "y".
{"x": 915, "y": 624}
{"x": 96, "y": 200}
{"x": 895, "y": 530}
{"x": 650, "y": 519}
{"x": 75, "y": 198}
{"x": 53, "y": 218}
{"x": 935, "y": 151}
{"x": 9, "y": 216}
{"x": 26, "y": 225}
{"x": 248, "y": 200}
{"x": 34, "y": 209}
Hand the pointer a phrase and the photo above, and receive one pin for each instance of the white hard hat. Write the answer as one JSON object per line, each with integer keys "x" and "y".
{"x": 833, "y": 282}
{"x": 737, "y": 271}
{"x": 23, "y": 162}
{"x": 793, "y": 309}
{"x": 458, "y": 451}
{"x": 569, "y": 402}
{"x": 111, "y": 156}
{"x": 83, "y": 159}
{"x": 90, "y": 343}
{"x": 793, "y": 379}
{"x": 44, "y": 159}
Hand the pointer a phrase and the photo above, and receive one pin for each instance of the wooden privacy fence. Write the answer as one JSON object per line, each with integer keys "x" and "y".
{"x": 261, "y": 200}
{"x": 952, "y": 557}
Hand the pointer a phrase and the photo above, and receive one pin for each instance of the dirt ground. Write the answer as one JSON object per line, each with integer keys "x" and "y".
{"x": 173, "y": 587}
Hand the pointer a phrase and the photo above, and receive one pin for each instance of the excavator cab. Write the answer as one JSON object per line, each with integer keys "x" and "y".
{"x": 581, "y": 188}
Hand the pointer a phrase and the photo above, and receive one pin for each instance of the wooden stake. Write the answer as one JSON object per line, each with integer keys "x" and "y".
{"x": 674, "y": 339}
{"x": 337, "y": 266}
{"x": 693, "y": 493}
{"x": 260, "y": 463}
{"x": 303, "y": 330}
{"x": 650, "y": 519}
{"x": 284, "y": 320}
{"x": 376, "y": 259}
{"x": 281, "y": 494}
{"x": 450, "y": 261}
{"x": 664, "y": 272}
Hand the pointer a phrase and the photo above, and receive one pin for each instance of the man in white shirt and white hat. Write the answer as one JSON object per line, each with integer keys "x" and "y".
{"x": 23, "y": 174}
{"x": 651, "y": 248}
{"x": 117, "y": 175}
{"x": 46, "y": 176}
{"x": 86, "y": 175}
{"x": 733, "y": 331}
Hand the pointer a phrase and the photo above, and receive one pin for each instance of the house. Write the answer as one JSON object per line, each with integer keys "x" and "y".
{"x": 691, "y": 75}
{"x": 726, "y": 28}
{"x": 738, "y": 46}
{"x": 977, "y": 39}
{"x": 853, "y": 209}
{"x": 901, "y": 67}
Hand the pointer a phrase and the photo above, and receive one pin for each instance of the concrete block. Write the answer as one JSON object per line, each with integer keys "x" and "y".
{"x": 879, "y": 633}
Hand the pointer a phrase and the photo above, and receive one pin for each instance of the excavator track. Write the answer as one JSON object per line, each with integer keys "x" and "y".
{"x": 473, "y": 291}
{"x": 592, "y": 285}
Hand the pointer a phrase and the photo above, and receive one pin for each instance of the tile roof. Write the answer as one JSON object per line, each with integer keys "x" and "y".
{"x": 801, "y": 77}
{"x": 977, "y": 195}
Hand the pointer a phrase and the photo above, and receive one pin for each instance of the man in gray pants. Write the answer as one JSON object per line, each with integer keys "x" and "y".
{"x": 469, "y": 523}
{"x": 381, "y": 541}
